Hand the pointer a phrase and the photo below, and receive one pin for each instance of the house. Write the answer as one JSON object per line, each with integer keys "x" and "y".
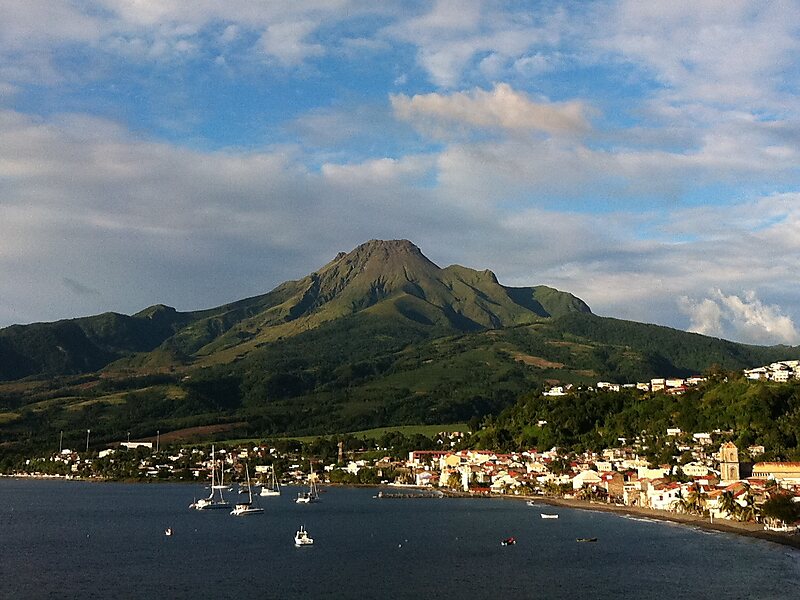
{"x": 555, "y": 391}
{"x": 695, "y": 469}
{"x": 585, "y": 479}
{"x": 613, "y": 482}
{"x": 662, "y": 495}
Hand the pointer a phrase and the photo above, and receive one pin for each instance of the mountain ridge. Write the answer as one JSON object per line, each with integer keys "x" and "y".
{"x": 392, "y": 278}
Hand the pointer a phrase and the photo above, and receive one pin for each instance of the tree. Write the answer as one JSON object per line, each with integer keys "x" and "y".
{"x": 696, "y": 499}
{"x": 727, "y": 503}
{"x": 781, "y": 507}
{"x": 749, "y": 512}
{"x": 454, "y": 481}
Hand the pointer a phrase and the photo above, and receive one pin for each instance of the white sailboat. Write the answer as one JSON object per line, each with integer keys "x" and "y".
{"x": 247, "y": 508}
{"x": 216, "y": 490}
{"x": 273, "y": 488}
{"x": 311, "y": 495}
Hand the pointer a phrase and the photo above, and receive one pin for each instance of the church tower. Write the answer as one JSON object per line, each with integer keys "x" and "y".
{"x": 728, "y": 462}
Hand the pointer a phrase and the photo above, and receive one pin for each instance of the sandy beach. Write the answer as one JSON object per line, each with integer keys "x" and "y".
{"x": 753, "y": 530}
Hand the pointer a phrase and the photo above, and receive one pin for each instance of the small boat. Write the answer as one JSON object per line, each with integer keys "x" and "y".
{"x": 586, "y": 539}
{"x": 301, "y": 537}
{"x": 168, "y": 531}
{"x": 509, "y": 541}
{"x": 311, "y": 495}
{"x": 273, "y": 488}
{"x": 548, "y": 516}
{"x": 530, "y": 503}
{"x": 247, "y": 508}
{"x": 216, "y": 490}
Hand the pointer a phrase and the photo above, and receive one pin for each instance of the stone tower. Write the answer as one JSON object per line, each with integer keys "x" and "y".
{"x": 728, "y": 462}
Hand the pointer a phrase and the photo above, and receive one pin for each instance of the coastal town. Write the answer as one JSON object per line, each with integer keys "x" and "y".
{"x": 706, "y": 475}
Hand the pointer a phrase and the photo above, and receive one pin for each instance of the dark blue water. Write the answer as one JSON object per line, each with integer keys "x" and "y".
{"x": 87, "y": 540}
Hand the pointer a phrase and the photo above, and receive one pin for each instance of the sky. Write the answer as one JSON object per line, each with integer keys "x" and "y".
{"x": 644, "y": 156}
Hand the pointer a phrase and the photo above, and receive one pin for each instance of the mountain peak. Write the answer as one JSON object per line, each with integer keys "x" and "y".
{"x": 387, "y": 247}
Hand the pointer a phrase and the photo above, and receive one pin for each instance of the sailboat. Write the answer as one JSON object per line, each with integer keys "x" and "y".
{"x": 311, "y": 495}
{"x": 212, "y": 501}
{"x": 247, "y": 508}
{"x": 273, "y": 488}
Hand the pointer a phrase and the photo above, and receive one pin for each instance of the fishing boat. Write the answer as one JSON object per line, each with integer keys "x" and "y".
{"x": 273, "y": 488}
{"x": 548, "y": 516}
{"x": 311, "y": 495}
{"x": 586, "y": 539}
{"x": 301, "y": 537}
{"x": 215, "y": 499}
{"x": 247, "y": 508}
{"x": 509, "y": 541}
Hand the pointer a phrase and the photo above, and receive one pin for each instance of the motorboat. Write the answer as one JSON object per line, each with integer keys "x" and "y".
{"x": 586, "y": 539}
{"x": 548, "y": 516}
{"x": 509, "y": 541}
{"x": 301, "y": 538}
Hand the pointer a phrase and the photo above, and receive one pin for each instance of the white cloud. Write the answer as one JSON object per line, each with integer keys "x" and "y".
{"x": 454, "y": 33}
{"x": 288, "y": 43}
{"x": 744, "y": 318}
{"x": 715, "y": 51}
{"x": 501, "y": 108}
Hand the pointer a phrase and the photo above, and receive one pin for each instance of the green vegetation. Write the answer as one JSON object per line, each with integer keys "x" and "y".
{"x": 761, "y": 413}
{"x": 379, "y": 337}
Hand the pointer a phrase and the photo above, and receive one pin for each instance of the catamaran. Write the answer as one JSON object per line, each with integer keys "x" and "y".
{"x": 247, "y": 508}
{"x": 273, "y": 488}
{"x": 311, "y": 495}
{"x": 212, "y": 501}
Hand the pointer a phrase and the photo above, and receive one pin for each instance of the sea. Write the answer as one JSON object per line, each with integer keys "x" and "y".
{"x": 71, "y": 539}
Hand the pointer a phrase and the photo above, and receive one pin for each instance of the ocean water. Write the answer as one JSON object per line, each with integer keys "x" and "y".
{"x": 63, "y": 539}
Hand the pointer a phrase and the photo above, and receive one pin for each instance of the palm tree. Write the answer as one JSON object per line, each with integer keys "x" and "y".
{"x": 749, "y": 512}
{"x": 696, "y": 499}
{"x": 728, "y": 504}
{"x": 680, "y": 505}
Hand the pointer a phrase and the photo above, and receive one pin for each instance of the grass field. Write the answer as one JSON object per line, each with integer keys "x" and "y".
{"x": 370, "y": 434}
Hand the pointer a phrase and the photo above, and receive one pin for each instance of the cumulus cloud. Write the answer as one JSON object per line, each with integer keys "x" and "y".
{"x": 455, "y": 36}
{"x": 744, "y": 318}
{"x": 500, "y": 108}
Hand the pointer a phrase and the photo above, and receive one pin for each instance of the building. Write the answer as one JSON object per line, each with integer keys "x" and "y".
{"x": 779, "y": 471}
{"x": 729, "y": 462}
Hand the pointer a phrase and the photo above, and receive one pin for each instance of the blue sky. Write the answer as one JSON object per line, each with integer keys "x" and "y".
{"x": 642, "y": 155}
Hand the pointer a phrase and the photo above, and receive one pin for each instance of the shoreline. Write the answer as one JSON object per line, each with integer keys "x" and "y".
{"x": 752, "y": 530}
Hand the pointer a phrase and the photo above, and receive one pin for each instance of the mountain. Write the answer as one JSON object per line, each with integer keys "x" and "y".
{"x": 378, "y": 336}
{"x": 388, "y": 279}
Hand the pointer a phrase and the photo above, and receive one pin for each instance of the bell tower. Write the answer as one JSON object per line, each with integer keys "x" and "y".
{"x": 728, "y": 462}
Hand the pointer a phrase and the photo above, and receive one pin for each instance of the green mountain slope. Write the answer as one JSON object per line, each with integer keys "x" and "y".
{"x": 378, "y": 336}
{"x": 389, "y": 279}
